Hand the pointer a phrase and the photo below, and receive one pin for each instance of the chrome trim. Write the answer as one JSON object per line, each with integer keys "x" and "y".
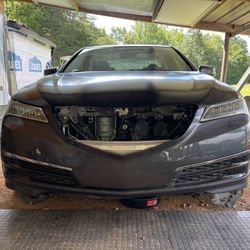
{"x": 239, "y": 164}
{"x": 215, "y": 160}
{"x": 233, "y": 176}
{"x": 18, "y": 157}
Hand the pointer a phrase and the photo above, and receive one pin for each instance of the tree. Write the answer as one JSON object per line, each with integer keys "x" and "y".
{"x": 238, "y": 59}
{"x": 198, "y": 47}
{"x": 118, "y": 34}
{"x": 68, "y": 29}
{"x": 72, "y": 30}
{"x": 142, "y": 33}
{"x": 213, "y": 51}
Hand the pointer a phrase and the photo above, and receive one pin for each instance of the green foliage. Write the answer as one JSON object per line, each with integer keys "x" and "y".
{"x": 72, "y": 30}
{"x": 198, "y": 47}
{"x": 118, "y": 34}
{"x": 238, "y": 59}
{"x": 149, "y": 33}
{"x": 68, "y": 29}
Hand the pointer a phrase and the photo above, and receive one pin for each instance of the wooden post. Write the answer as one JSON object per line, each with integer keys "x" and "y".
{"x": 224, "y": 66}
{"x": 2, "y": 56}
{"x": 1, "y": 7}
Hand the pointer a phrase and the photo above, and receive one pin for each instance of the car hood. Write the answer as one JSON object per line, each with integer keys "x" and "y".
{"x": 127, "y": 89}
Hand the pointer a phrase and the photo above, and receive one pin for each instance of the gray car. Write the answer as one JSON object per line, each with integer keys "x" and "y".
{"x": 127, "y": 122}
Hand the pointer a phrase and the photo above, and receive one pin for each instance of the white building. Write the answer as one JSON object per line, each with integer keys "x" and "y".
{"x": 28, "y": 55}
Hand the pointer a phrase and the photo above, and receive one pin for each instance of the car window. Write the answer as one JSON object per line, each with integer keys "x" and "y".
{"x": 129, "y": 59}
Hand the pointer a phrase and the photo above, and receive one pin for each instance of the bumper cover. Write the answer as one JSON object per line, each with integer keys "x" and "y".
{"x": 217, "y": 176}
{"x": 209, "y": 157}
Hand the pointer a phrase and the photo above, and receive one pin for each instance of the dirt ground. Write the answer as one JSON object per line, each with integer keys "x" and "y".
{"x": 10, "y": 200}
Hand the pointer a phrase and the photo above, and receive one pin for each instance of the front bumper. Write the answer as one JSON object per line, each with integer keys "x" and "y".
{"x": 210, "y": 157}
{"x": 222, "y": 175}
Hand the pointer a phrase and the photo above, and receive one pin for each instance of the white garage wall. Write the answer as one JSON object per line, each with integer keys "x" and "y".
{"x": 28, "y": 58}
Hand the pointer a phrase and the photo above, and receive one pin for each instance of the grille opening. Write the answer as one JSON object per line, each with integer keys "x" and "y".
{"x": 124, "y": 124}
{"x": 194, "y": 175}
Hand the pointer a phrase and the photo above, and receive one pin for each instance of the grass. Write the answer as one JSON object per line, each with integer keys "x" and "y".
{"x": 246, "y": 89}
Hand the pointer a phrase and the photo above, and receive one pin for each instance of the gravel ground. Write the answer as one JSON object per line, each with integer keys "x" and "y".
{"x": 10, "y": 200}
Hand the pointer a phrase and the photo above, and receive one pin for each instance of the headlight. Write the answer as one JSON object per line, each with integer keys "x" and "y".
{"x": 26, "y": 111}
{"x": 225, "y": 109}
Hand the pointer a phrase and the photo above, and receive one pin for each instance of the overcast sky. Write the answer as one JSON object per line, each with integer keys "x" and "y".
{"x": 109, "y": 22}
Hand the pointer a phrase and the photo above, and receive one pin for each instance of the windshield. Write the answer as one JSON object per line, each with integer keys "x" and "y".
{"x": 127, "y": 59}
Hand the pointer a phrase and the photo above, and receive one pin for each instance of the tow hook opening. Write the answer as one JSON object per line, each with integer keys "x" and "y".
{"x": 141, "y": 203}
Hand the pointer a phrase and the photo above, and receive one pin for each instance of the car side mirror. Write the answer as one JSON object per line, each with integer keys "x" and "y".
{"x": 210, "y": 70}
{"x": 50, "y": 71}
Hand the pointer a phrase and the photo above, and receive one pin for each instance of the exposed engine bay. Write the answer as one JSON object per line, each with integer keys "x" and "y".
{"x": 124, "y": 124}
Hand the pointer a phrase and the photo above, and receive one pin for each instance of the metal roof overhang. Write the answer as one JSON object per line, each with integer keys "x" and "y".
{"x": 229, "y": 16}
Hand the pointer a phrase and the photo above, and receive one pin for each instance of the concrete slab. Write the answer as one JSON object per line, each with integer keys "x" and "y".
{"x": 132, "y": 229}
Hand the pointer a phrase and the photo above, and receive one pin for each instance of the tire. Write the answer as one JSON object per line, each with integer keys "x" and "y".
{"x": 141, "y": 203}
{"x": 228, "y": 199}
